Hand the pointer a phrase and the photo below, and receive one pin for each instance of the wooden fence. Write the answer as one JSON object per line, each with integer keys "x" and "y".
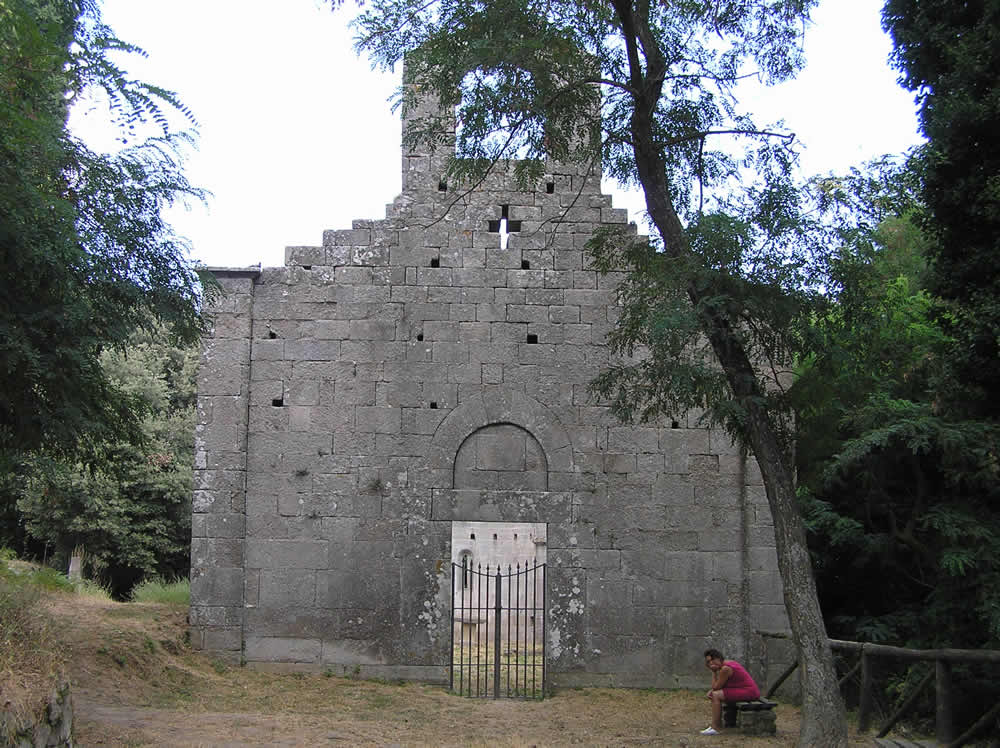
{"x": 943, "y": 660}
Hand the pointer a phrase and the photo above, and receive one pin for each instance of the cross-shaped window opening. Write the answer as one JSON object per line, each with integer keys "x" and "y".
{"x": 505, "y": 227}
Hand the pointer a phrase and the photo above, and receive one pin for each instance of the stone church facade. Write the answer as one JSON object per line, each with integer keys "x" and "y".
{"x": 431, "y": 368}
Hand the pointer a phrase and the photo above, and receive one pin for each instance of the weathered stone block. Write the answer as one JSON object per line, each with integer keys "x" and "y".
{"x": 215, "y": 616}
{"x": 759, "y": 722}
{"x": 222, "y": 639}
{"x": 286, "y": 554}
{"x": 213, "y": 586}
{"x": 278, "y": 649}
{"x": 284, "y": 588}
{"x": 353, "y": 588}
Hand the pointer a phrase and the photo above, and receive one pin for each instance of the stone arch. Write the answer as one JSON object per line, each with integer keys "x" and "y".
{"x": 501, "y": 407}
{"x": 501, "y": 456}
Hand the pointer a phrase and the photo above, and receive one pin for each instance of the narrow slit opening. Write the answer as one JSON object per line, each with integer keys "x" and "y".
{"x": 550, "y": 187}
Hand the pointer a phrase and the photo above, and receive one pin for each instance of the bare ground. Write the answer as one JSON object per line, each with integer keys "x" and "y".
{"x": 137, "y": 683}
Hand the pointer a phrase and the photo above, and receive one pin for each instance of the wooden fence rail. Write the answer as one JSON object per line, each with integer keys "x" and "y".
{"x": 943, "y": 659}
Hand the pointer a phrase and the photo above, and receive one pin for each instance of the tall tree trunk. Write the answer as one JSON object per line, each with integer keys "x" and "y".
{"x": 824, "y": 720}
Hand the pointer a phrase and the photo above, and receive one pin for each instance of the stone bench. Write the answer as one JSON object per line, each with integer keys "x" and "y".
{"x": 751, "y": 717}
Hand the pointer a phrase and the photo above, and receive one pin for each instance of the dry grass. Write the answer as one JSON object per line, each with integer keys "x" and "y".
{"x": 136, "y": 682}
{"x": 31, "y": 661}
{"x": 521, "y": 670}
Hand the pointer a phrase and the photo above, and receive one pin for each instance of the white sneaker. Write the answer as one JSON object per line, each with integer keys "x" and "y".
{"x": 709, "y": 731}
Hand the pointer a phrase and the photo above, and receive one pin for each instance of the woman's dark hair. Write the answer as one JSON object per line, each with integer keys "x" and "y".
{"x": 714, "y": 654}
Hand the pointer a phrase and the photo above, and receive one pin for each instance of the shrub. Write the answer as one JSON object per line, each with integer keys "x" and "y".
{"x": 88, "y": 588}
{"x": 155, "y": 590}
{"x": 50, "y": 579}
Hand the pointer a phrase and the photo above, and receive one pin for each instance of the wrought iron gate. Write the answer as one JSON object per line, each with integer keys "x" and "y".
{"x": 498, "y": 631}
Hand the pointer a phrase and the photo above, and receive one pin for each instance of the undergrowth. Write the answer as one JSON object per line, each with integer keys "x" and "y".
{"x": 155, "y": 590}
{"x": 46, "y": 578}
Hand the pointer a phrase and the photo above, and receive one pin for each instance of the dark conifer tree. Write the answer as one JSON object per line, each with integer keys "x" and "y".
{"x": 949, "y": 54}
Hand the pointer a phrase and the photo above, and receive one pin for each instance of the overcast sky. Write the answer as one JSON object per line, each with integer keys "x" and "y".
{"x": 297, "y": 136}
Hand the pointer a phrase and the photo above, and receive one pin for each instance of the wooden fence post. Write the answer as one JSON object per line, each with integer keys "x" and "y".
{"x": 905, "y": 706}
{"x": 867, "y": 693}
{"x": 781, "y": 679}
{"x": 942, "y": 685}
{"x": 943, "y": 660}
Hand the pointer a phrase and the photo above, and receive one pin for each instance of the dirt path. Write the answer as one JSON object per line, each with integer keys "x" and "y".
{"x": 136, "y": 682}
{"x": 422, "y": 716}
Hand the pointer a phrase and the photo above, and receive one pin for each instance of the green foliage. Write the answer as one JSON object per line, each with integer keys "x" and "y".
{"x": 39, "y": 578}
{"x": 898, "y": 489}
{"x": 85, "y": 254}
{"x": 523, "y": 75}
{"x": 48, "y": 578}
{"x": 947, "y": 54}
{"x": 911, "y": 427}
{"x": 92, "y": 589}
{"x": 156, "y": 590}
{"x": 898, "y": 486}
{"x": 129, "y": 504}
{"x": 667, "y": 365}
{"x": 17, "y": 599}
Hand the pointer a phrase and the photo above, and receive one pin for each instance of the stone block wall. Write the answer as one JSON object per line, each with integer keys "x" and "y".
{"x": 429, "y": 368}
{"x": 218, "y": 522}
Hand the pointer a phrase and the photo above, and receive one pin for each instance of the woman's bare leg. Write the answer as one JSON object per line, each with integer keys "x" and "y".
{"x": 717, "y": 698}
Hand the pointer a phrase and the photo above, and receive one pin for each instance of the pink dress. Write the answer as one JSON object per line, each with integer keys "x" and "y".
{"x": 740, "y": 686}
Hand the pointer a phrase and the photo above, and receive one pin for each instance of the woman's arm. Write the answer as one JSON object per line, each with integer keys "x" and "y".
{"x": 721, "y": 677}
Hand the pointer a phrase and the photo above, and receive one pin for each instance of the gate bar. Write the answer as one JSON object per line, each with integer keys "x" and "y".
{"x": 451, "y": 634}
{"x": 545, "y": 630}
{"x": 496, "y": 638}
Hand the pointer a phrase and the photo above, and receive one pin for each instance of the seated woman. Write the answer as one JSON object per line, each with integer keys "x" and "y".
{"x": 730, "y": 682}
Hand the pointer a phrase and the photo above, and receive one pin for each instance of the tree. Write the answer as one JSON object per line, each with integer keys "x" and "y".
{"x": 712, "y": 306}
{"x": 128, "y": 503}
{"x": 899, "y": 488}
{"x": 947, "y": 53}
{"x": 85, "y": 254}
